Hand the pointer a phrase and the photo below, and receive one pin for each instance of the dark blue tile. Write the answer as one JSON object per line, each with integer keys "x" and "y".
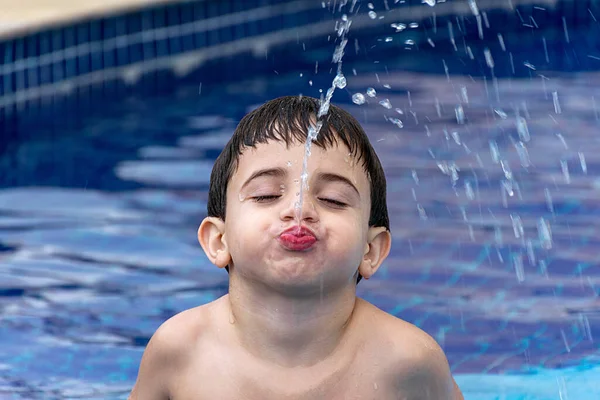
{"x": 32, "y": 77}
{"x": 9, "y": 55}
{"x": 32, "y": 46}
{"x": 70, "y": 38}
{"x": 45, "y": 67}
{"x": 82, "y": 33}
{"x": 19, "y": 48}
{"x": 159, "y": 18}
{"x": 162, "y": 48}
{"x": 134, "y": 23}
{"x": 108, "y": 28}
{"x": 8, "y": 83}
{"x": 58, "y": 72}
{"x": 173, "y": 20}
{"x": 108, "y": 58}
{"x": 135, "y": 53}
{"x": 212, "y": 9}
{"x": 187, "y": 42}
{"x": 95, "y": 30}
{"x": 186, "y": 12}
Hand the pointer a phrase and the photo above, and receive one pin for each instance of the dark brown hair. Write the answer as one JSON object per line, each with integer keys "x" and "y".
{"x": 288, "y": 119}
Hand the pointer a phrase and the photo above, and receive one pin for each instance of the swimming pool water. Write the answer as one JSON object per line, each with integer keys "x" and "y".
{"x": 98, "y": 224}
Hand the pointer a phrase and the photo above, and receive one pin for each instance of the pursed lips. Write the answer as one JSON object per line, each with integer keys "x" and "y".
{"x": 297, "y": 238}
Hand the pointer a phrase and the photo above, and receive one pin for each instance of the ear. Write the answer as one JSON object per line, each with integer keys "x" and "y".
{"x": 379, "y": 242}
{"x": 211, "y": 236}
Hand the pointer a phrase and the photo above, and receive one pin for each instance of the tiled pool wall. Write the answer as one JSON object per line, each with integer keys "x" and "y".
{"x": 66, "y": 70}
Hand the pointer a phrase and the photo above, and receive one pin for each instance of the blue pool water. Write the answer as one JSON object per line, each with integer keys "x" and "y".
{"x": 98, "y": 222}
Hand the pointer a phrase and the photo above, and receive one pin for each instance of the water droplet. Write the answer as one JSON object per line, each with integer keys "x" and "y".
{"x": 430, "y": 3}
{"x": 498, "y": 236}
{"x": 413, "y": 25}
{"x": 522, "y": 129}
{"x": 397, "y": 122}
{"x": 523, "y": 154}
{"x": 409, "y": 42}
{"x": 474, "y": 8}
{"x": 501, "y": 40}
{"x": 358, "y": 98}
{"x": 386, "y": 103}
{"x": 582, "y": 162}
{"x": 549, "y": 202}
{"x": 562, "y": 140}
{"x": 469, "y": 191}
{"x": 371, "y": 92}
{"x": 464, "y": 95}
{"x": 339, "y": 81}
{"x": 557, "y": 108}
{"x": 517, "y": 226}
{"x": 530, "y": 252}
{"x": 489, "y": 60}
{"x": 242, "y": 197}
{"x": 506, "y": 168}
{"x": 430, "y": 42}
{"x": 456, "y": 137}
{"x": 529, "y": 65}
{"x": 518, "y": 264}
{"x": 500, "y": 113}
{"x": 371, "y": 6}
{"x": 565, "y": 170}
{"x": 494, "y": 151}
{"x": 414, "y": 176}
{"x": 544, "y": 234}
{"x": 460, "y": 114}
{"x": 372, "y": 14}
{"x": 389, "y": 39}
{"x": 422, "y": 213}
{"x": 289, "y": 163}
{"x": 310, "y": 83}
{"x": 398, "y": 27}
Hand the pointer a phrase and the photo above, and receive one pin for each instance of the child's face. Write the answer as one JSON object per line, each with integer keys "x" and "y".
{"x": 261, "y": 206}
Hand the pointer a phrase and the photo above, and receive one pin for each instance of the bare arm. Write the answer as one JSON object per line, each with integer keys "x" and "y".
{"x": 426, "y": 376}
{"x": 156, "y": 364}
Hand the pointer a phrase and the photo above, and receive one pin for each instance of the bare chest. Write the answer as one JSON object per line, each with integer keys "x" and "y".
{"x": 362, "y": 379}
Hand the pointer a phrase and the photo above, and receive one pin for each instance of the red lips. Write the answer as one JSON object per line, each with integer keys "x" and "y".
{"x": 297, "y": 238}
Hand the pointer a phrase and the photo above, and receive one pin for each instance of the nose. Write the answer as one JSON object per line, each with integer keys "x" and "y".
{"x": 300, "y": 211}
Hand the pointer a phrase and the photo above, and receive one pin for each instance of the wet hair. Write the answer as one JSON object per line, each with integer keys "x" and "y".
{"x": 288, "y": 119}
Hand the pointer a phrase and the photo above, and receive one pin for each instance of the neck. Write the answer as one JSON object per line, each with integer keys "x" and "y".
{"x": 289, "y": 331}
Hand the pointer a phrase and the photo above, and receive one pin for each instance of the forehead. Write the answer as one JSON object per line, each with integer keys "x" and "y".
{"x": 335, "y": 158}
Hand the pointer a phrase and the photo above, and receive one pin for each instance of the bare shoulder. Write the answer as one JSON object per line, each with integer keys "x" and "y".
{"x": 417, "y": 364}
{"x": 168, "y": 351}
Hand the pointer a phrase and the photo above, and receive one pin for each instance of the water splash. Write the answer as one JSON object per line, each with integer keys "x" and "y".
{"x": 386, "y": 103}
{"x": 358, "y": 98}
{"x": 339, "y": 82}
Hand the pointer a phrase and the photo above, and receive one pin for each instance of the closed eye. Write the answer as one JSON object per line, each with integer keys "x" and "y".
{"x": 265, "y": 199}
{"x": 333, "y": 202}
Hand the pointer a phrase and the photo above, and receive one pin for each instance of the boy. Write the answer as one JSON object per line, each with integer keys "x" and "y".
{"x": 291, "y": 326}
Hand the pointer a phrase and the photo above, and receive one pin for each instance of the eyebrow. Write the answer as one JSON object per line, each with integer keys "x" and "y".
{"x": 331, "y": 177}
{"x": 275, "y": 172}
{"x": 321, "y": 176}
